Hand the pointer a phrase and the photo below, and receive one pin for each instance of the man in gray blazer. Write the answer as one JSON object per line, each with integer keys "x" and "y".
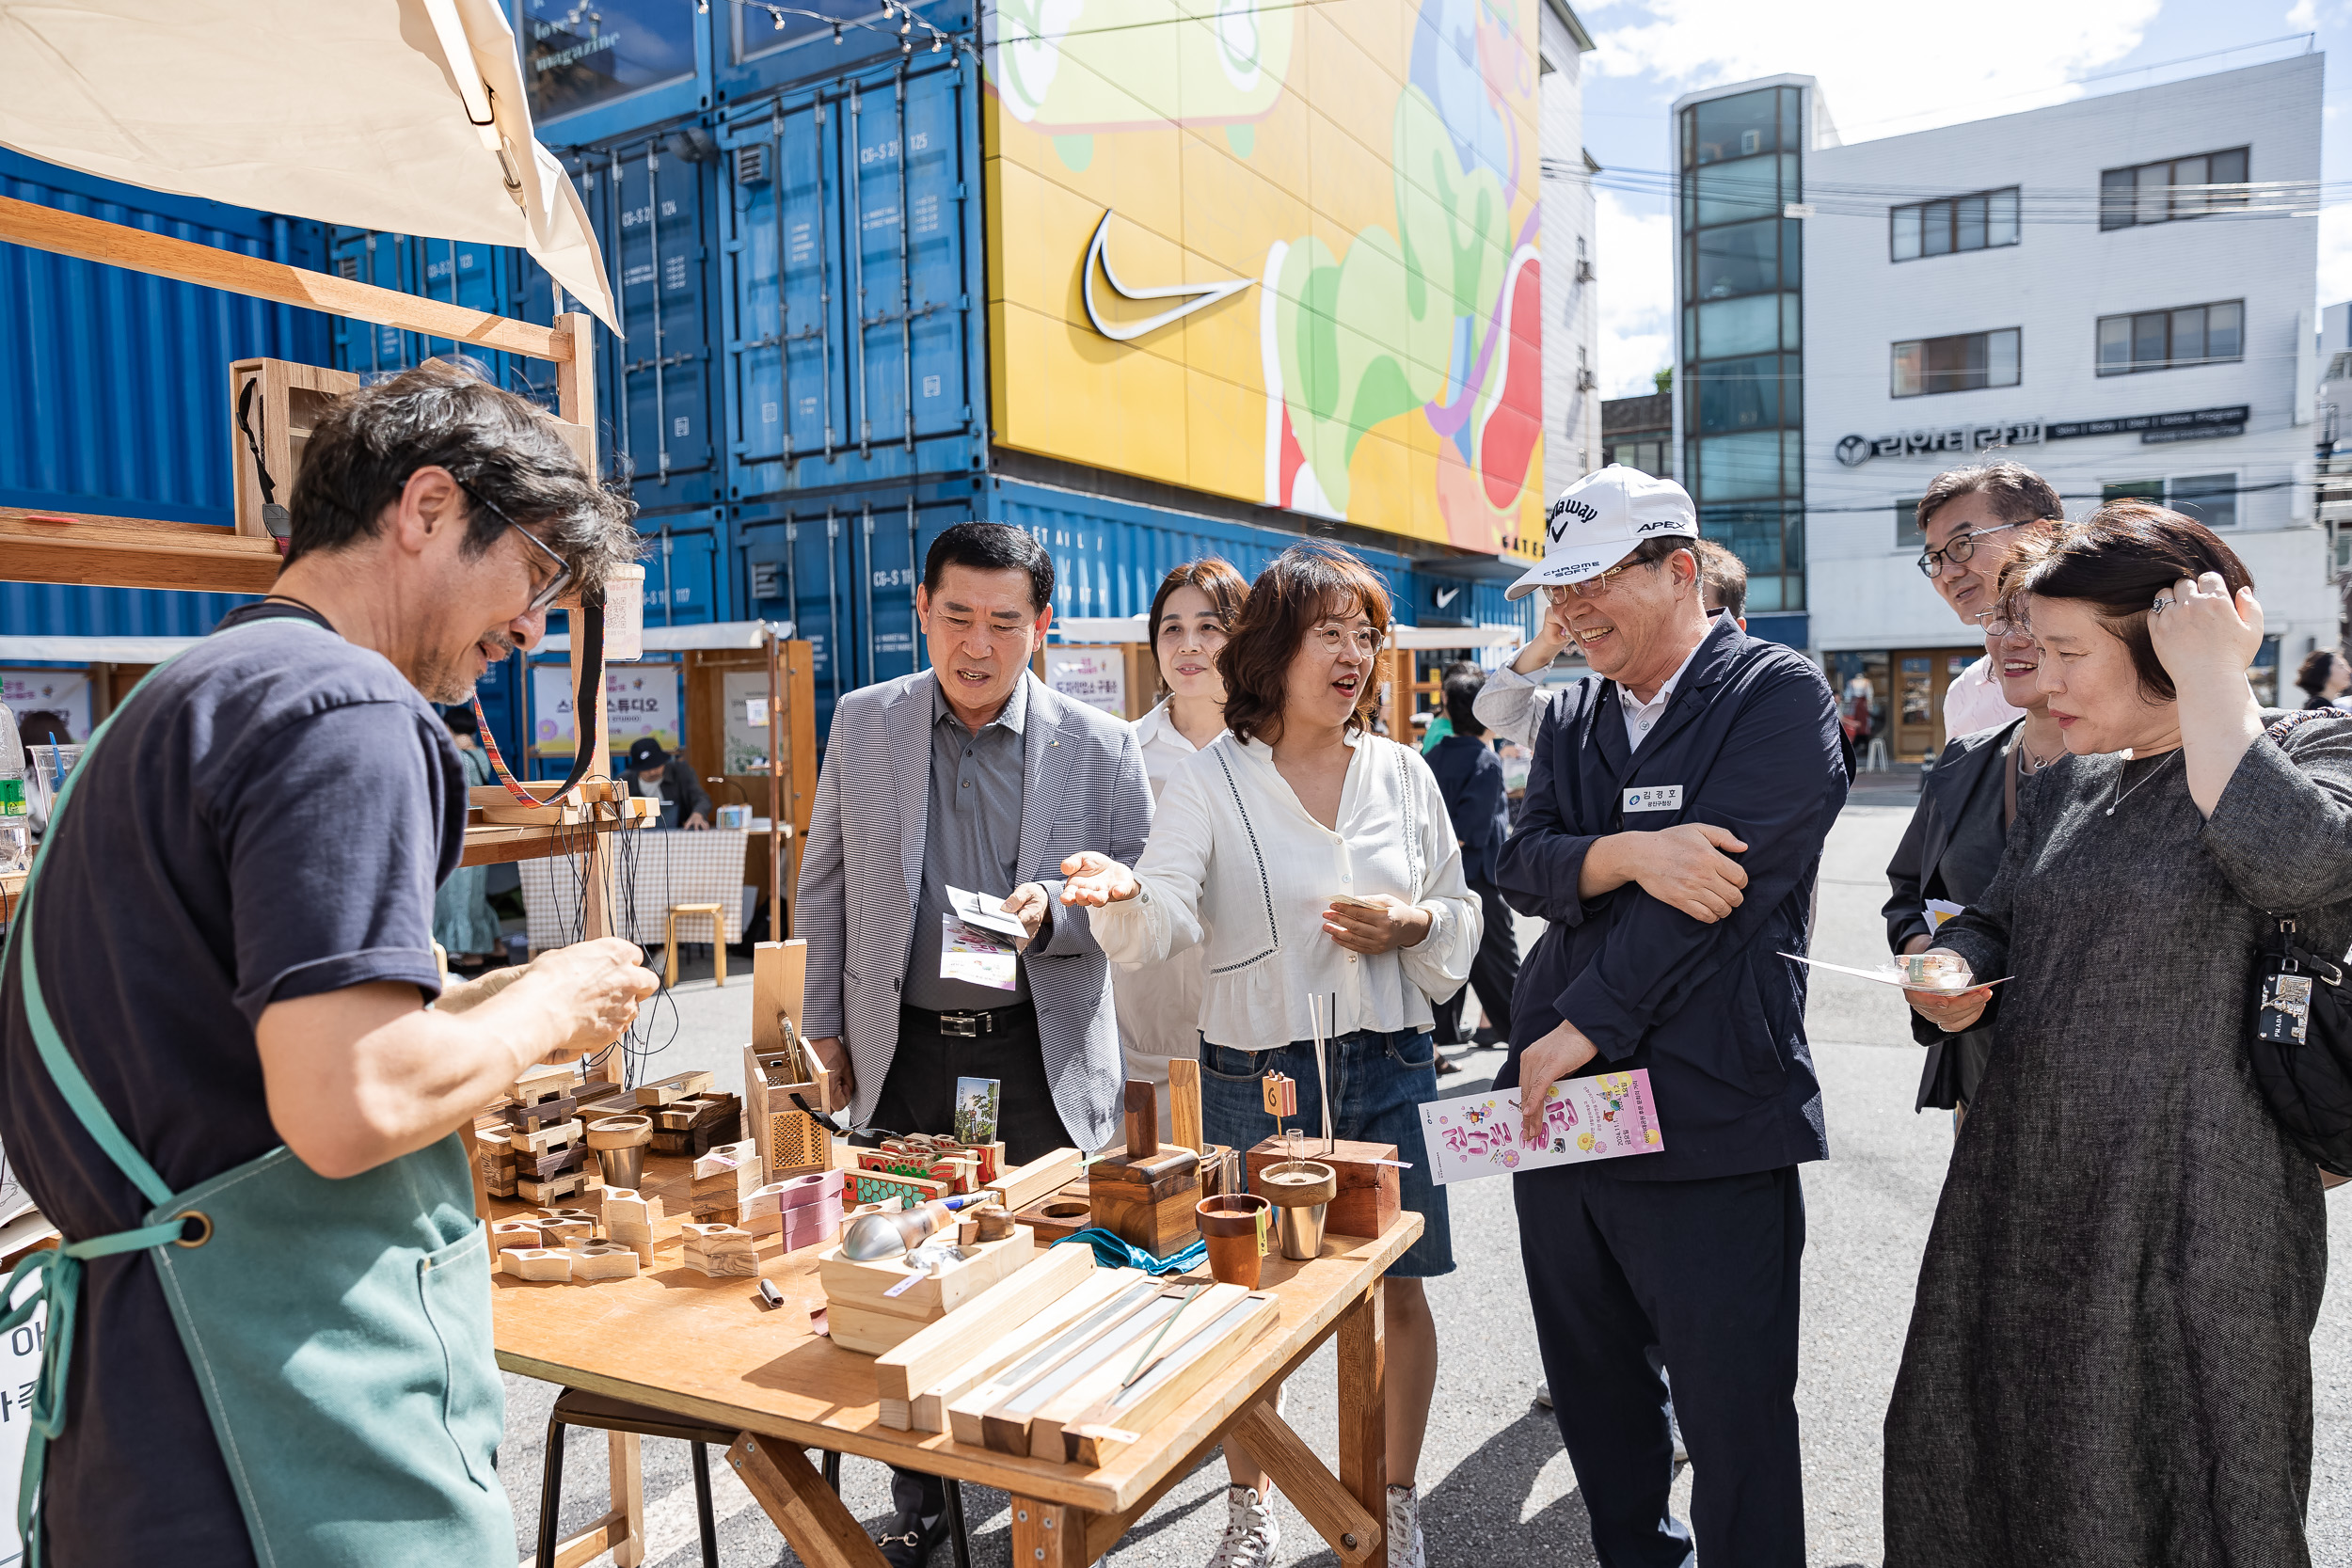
{"x": 971, "y": 775}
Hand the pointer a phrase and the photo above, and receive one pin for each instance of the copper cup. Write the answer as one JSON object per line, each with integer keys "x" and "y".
{"x": 1234, "y": 1226}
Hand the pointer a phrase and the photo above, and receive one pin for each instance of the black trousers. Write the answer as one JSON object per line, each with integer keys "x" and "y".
{"x": 919, "y": 1096}
{"x": 1494, "y": 973}
{"x": 1709, "y": 1272}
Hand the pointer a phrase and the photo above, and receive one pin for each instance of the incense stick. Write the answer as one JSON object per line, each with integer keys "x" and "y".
{"x": 1183, "y": 1302}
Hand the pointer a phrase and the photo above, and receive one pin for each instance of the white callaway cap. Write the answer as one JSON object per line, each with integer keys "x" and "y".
{"x": 1597, "y": 521}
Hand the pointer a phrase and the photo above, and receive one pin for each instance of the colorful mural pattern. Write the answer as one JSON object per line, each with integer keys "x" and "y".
{"x": 1370, "y": 164}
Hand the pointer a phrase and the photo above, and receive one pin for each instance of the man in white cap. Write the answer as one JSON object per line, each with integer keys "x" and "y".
{"x": 1675, "y": 816}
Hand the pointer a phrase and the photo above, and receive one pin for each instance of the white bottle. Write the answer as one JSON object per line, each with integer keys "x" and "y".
{"x": 16, "y": 823}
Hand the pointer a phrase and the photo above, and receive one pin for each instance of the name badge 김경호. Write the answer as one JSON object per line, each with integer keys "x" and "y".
{"x": 1654, "y": 798}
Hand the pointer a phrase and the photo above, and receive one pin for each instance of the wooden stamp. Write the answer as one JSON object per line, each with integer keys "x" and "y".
{"x": 536, "y": 1263}
{"x": 602, "y": 1260}
{"x": 720, "y": 1250}
{"x": 1145, "y": 1193}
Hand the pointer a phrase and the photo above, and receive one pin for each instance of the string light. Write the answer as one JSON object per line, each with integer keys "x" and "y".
{"x": 836, "y": 32}
{"x": 779, "y": 16}
{"x": 937, "y": 41}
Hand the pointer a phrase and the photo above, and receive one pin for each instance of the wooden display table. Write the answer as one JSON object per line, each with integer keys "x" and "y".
{"x": 679, "y": 1340}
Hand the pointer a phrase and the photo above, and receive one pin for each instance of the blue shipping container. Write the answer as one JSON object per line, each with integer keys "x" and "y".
{"x": 851, "y": 230}
{"x": 114, "y": 385}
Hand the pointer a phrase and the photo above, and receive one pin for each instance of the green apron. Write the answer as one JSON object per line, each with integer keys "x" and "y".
{"x": 340, "y": 1332}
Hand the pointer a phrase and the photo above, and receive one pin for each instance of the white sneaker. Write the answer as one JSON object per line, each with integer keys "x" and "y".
{"x": 1543, "y": 1395}
{"x": 1251, "y": 1531}
{"x": 1404, "y": 1549}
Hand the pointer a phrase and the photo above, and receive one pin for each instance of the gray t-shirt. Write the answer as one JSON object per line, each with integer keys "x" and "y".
{"x": 971, "y": 840}
{"x": 266, "y": 819}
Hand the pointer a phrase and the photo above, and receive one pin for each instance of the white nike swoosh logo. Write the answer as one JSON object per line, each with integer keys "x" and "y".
{"x": 1195, "y": 296}
{"x": 1447, "y": 595}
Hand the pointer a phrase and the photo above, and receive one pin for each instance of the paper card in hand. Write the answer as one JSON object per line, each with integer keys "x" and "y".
{"x": 1585, "y": 1118}
{"x": 986, "y": 911}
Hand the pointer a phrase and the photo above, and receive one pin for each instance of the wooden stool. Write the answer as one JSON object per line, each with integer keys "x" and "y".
{"x": 718, "y": 939}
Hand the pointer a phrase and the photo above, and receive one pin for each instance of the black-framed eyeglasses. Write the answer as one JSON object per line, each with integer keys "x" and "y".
{"x": 1957, "y": 550}
{"x": 556, "y": 584}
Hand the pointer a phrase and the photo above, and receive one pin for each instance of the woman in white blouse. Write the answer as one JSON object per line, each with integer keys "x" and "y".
{"x": 1196, "y": 607}
{"x": 1252, "y": 843}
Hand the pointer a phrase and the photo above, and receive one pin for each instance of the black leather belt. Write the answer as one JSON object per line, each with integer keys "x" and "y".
{"x": 973, "y": 1025}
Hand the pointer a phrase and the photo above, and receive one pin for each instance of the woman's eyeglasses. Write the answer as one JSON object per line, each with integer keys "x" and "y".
{"x": 553, "y": 587}
{"x": 1332, "y": 639}
{"x": 2006, "y": 623}
{"x": 1958, "y": 551}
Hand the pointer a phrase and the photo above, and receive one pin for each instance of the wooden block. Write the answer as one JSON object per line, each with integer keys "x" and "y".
{"x": 544, "y": 1113}
{"x": 1184, "y": 1102}
{"x": 814, "y": 1187}
{"x": 1098, "y": 1435}
{"x": 1051, "y": 1173}
{"x": 941, "y": 1346}
{"x": 965, "y": 1412}
{"x": 637, "y": 1238}
{"x": 1187, "y": 1319}
{"x": 681, "y": 1086}
{"x": 536, "y": 1263}
{"x": 547, "y": 1140}
{"x": 602, "y": 1260}
{"x": 868, "y": 1333}
{"x": 891, "y": 1414}
{"x": 1143, "y": 1118}
{"x": 1147, "y": 1199}
{"x": 539, "y": 1167}
{"x": 928, "y": 1410}
{"x": 515, "y": 1233}
{"x": 1005, "y": 1423}
{"x": 1367, "y": 1200}
{"x": 561, "y": 1225}
{"x": 621, "y": 1206}
{"x": 720, "y": 1250}
{"x": 942, "y": 1291}
{"x": 545, "y": 1081}
{"x": 555, "y": 1189}
{"x": 734, "y": 1166}
{"x": 779, "y": 982}
{"x": 811, "y": 1225}
{"x": 1058, "y": 1215}
{"x": 605, "y": 1106}
{"x": 875, "y": 1187}
{"x": 503, "y": 1187}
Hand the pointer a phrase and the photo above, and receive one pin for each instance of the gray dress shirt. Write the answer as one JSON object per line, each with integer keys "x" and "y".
{"x": 971, "y": 840}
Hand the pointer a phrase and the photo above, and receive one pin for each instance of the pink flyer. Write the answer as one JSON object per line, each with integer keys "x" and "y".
{"x": 1585, "y": 1118}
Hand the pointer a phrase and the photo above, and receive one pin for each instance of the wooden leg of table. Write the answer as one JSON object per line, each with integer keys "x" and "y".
{"x": 1365, "y": 1405}
{"x": 629, "y": 1496}
{"x": 1048, "y": 1535}
{"x": 1352, "y": 1529}
{"x": 821, "y": 1530}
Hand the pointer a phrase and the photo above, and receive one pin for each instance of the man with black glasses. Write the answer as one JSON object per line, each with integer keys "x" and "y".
{"x": 1973, "y": 519}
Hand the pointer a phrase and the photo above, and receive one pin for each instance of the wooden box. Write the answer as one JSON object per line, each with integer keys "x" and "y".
{"x": 1368, "y": 1192}
{"x": 866, "y": 1286}
{"x": 1058, "y": 1215}
{"x": 1147, "y": 1201}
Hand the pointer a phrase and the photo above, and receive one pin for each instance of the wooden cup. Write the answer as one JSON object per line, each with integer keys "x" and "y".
{"x": 1234, "y": 1226}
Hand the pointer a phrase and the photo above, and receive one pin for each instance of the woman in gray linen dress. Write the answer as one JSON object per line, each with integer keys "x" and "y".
{"x": 2109, "y": 1361}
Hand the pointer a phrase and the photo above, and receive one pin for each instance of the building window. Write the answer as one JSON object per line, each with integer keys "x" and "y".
{"x": 2169, "y": 339}
{"x": 1980, "y": 222}
{"x": 2210, "y": 498}
{"x": 1907, "y": 535}
{"x": 1649, "y": 453}
{"x": 2175, "y": 188}
{"x": 1963, "y": 363}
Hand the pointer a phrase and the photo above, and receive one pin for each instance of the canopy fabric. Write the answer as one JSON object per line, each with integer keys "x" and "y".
{"x": 700, "y": 635}
{"x": 407, "y": 115}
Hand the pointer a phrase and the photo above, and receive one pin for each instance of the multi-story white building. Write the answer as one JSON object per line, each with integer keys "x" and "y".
{"x": 1571, "y": 256}
{"x": 2118, "y": 293}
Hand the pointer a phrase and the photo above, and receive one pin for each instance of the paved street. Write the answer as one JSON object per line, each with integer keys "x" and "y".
{"x": 1496, "y": 1489}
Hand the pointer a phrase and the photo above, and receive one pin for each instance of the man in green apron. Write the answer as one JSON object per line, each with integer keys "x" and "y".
{"x": 268, "y": 1333}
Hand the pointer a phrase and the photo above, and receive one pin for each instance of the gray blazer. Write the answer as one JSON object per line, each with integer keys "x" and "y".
{"x": 1083, "y": 787}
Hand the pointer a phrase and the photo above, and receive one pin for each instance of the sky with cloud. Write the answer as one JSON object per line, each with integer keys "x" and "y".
{"x": 1887, "y": 70}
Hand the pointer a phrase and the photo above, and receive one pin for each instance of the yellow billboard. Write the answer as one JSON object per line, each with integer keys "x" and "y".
{"x": 1281, "y": 251}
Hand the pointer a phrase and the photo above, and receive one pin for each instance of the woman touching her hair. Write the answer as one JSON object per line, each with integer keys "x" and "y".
{"x": 2110, "y": 1357}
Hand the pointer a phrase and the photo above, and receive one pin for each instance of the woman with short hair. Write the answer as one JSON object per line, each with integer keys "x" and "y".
{"x": 1317, "y": 863}
{"x": 1195, "y": 610}
{"x": 2109, "y": 1360}
{"x": 2325, "y": 677}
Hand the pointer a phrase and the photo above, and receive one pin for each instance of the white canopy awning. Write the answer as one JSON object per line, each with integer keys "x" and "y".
{"x": 672, "y": 640}
{"x": 92, "y": 650}
{"x": 399, "y": 115}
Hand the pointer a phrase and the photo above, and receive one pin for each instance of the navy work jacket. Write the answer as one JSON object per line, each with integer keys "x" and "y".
{"x": 1751, "y": 736}
{"x": 1469, "y": 780}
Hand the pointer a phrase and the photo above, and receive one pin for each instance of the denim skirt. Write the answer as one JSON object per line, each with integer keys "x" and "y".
{"x": 1378, "y": 1084}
